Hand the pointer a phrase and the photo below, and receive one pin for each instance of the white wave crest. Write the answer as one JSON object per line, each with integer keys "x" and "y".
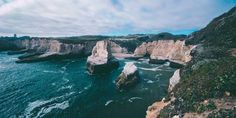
{"x": 151, "y": 69}
{"x": 150, "y": 81}
{"x": 108, "y": 102}
{"x": 44, "y": 111}
{"x": 134, "y": 98}
{"x": 65, "y": 87}
{"x": 48, "y": 71}
{"x": 39, "y": 108}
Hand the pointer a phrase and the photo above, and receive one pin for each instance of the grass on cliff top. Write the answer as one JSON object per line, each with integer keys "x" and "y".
{"x": 223, "y": 113}
{"x": 208, "y": 79}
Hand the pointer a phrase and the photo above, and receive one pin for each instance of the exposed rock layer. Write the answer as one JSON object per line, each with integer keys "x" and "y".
{"x": 42, "y": 49}
{"x": 174, "y": 80}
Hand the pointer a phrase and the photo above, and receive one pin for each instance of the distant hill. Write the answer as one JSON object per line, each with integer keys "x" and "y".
{"x": 220, "y": 32}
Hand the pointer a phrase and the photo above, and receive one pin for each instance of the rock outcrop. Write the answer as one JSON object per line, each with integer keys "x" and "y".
{"x": 166, "y": 50}
{"x": 154, "y": 110}
{"x": 115, "y": 48}
{"x": 145, "y": 49}
{"x": 101, "y": 59}
{"x": 128, "y": 77}
{"x": 174, "y": 80}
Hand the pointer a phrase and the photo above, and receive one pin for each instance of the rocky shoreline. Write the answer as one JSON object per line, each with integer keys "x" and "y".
{"x": 103, "y": 54}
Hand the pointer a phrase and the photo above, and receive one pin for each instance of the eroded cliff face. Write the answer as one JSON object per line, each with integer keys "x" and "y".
{"x": 145, "y": 48}
{"x": 55, "y": 46}
{"x": 174, "y": 80}
{"x": 39, "y": 49}
{"x": 50, "y": 46}
{"x": 170, "y": 50}
{"x": 115, "y": 48}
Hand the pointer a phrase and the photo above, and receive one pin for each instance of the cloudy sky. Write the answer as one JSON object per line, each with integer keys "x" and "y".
{"x": 107, "y": 17}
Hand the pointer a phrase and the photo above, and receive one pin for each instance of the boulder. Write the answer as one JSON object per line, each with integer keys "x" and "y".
{"x": 128, "y": 77}
{"x": 101, "y": 59}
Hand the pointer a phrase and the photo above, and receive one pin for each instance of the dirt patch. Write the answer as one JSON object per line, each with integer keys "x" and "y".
{"x": 224, "y": 103}
{"x": 154, "y": 110}
{"x": 233, "y": 52}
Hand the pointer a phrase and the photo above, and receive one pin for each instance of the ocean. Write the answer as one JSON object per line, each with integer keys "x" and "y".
{"x": 64, "y": 89}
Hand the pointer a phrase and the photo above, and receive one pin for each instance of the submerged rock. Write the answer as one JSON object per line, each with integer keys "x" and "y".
{"x": 101, "y": 59}
{"x": 128, "y": 77}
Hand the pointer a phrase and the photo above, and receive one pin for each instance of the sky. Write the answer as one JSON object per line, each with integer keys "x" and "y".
{"x": 107, "y": 17}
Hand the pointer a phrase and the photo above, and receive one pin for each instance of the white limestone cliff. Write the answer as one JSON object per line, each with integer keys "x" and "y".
{"x": 171, "y": 50}
{"x": 174, "y": 80}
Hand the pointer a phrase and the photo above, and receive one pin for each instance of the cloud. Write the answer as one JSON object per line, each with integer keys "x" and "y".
{"x": 82, "y": 17}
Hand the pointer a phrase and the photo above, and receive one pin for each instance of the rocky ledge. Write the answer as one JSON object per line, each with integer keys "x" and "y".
{"x": 166, "y": 50}
{"x": 101, "y": 59}
{"x": 128, "y": 77}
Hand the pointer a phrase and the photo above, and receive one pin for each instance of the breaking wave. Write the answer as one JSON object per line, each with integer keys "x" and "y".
{"x": 39, "y": 108}
{"x": 108, "y": 102}
{"x": 134, "y": 98}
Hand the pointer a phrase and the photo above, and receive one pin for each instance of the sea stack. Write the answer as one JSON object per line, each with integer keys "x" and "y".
{"x": 101, "y": 59}
{"x": 128, "y": 77}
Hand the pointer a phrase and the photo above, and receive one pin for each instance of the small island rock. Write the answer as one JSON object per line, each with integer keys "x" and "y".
{"x": 128, "y": 77}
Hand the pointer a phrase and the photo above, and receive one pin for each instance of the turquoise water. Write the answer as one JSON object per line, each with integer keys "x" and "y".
{"x": 64, "y": 89}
